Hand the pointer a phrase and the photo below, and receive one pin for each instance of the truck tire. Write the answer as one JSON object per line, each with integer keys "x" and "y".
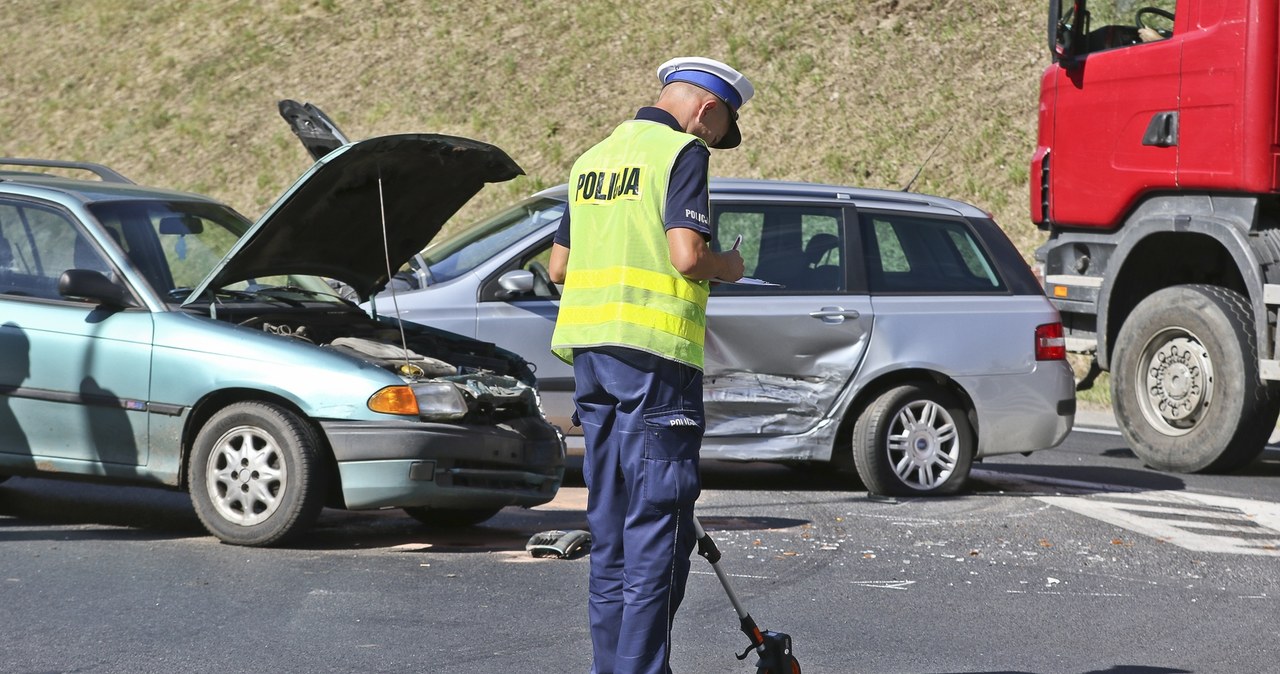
{"x": 1185, "y": 384}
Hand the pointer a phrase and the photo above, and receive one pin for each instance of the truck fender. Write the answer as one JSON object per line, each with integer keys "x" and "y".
{"x": 1227, "y": 231}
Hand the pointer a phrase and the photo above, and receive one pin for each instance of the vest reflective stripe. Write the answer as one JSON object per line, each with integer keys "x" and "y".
{"x": 591, "y": 320}
{"x": 620, "y": 288}
{"x": 590, "y": 279}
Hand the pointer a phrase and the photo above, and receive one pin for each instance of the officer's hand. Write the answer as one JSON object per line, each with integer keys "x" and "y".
{"x": 731, "y": 266}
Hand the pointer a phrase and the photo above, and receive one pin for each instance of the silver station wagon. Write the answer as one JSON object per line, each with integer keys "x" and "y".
{"x": 906, "y": 337}
{"x": 156, "y": 337}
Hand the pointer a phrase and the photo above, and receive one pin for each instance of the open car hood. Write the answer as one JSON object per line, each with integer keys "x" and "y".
{"x": 330, "y": 223}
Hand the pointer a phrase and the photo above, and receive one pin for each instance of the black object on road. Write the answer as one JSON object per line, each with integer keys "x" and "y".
{"x": 556, "y": 543}
{"x": 774, "y": 648}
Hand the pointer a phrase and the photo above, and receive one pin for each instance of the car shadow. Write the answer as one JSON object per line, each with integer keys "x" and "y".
{"x": 34, "y": 509}
{"x": 38, "y": 509}
{"x": 1037, "y": 478}
{"x": 754, "y": 476}
{"x": 1114, "y": 669}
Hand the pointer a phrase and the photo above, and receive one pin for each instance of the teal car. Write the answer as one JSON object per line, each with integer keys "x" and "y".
{"x": 159, "y": 338}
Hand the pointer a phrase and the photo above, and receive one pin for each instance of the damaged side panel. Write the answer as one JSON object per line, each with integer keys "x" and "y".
{"x": 802, "y": 364}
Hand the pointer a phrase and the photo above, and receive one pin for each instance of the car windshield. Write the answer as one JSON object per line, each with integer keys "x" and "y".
{"x": 174, "y": 245}
{"x": 464, "y": 251}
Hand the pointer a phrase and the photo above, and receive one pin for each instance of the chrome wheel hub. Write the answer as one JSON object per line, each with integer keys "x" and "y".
{"x": 923, "y": 445}
{"x": 246, "y": 476}
{"x": 1178, "y": 379}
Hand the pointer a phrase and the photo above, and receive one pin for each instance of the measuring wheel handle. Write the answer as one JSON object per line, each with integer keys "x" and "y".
{"x": 774, "y": 648}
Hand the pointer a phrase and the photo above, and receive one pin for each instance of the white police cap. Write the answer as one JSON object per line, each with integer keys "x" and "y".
{"x": 728, "y": 84}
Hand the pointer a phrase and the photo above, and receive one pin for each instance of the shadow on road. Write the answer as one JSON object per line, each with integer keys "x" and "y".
{"x": 1026, "y": 477}
{"x": 753, "y": 476}
{"x": 36, "y": 509}
{"x": 1115, "y": 669}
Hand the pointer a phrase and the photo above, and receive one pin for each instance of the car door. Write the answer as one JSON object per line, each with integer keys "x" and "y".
{"x": 941, "y": 304}
{"x": 522, "y": 321}
{"x": 777, "y": 357}
{"x": 1117, "y": 107}
{"x": 74, "y": 378}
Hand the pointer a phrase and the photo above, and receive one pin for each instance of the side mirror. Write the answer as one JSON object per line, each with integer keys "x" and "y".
{"x": 1067, "y": 25}
{"x": 516, "y": 282}
{"x": 94, "y": 286}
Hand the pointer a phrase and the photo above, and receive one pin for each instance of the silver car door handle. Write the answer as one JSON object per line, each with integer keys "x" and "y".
{"x": 834, "y": 314}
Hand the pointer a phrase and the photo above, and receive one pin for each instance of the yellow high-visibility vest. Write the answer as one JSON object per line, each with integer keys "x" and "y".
{"x": 620, "y": 288}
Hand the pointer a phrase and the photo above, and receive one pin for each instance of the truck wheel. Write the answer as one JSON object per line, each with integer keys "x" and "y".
{"x": 255, "y": 475}
{"x": 450, "y": 518}
{"x": 1185, "y": 384}
{"x": 913, "y": 440}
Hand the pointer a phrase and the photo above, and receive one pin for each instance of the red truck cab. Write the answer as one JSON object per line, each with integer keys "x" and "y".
{"x": 1157, "y": 176}
{"x": 1195, "y": 110}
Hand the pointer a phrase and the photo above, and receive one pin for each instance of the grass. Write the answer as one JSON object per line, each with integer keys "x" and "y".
{"x": 183, "y": 93}
{"x": 1099, "y": 395}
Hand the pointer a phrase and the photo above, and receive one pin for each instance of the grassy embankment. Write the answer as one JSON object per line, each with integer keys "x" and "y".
{"x": 183, "y": 93}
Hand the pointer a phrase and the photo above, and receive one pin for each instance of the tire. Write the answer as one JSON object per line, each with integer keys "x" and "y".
{"x": 914, "y": 440}
{"x": 283, "y": 493}
{"x": 1185, "y": 383}
{"x": 449, "y": 518}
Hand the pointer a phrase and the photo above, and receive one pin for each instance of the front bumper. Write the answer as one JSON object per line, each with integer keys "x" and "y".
{"x": 398, "y": 464}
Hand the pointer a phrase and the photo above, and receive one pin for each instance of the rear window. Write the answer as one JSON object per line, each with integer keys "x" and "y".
{"x": 920, "y": 254}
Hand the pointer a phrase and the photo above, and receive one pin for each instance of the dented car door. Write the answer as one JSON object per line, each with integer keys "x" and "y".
{"x": 778, "y": 356}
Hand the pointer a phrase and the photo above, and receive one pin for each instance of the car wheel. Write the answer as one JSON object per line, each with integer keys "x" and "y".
{"x": 1185, "y": 382}
{"x": 255, "y": 474}
{"x": 913, "y": 440}
{"x": 450, "y": 518}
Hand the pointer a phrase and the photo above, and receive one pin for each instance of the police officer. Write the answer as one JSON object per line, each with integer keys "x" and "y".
{"x": 632, "y": 322}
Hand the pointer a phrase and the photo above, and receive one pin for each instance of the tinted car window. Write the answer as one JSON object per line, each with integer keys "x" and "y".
{"x": 797, "y": 246}
{"x": 920, "y": 254}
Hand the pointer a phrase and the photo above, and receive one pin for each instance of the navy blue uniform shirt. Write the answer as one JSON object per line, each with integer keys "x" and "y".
{"x": 687, "y": 195}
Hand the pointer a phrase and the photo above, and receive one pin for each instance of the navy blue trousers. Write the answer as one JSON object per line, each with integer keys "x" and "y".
{"x": 642, "y": 418}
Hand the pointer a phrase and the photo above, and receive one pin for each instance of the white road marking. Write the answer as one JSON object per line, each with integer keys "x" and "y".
{"x": 885, "y": 584}
{"x": 731, "y": 575}
{"x": 1067, "y": 594}
{"x": 1094, "y": 430}
{"x": 1198, "y": 522}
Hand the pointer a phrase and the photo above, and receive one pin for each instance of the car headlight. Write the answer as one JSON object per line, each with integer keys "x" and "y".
{"x": 433, "y": 401}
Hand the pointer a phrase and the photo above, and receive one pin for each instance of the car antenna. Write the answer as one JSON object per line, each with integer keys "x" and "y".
{"x": 407, "y": 368}
{"x": 907, "y": 188}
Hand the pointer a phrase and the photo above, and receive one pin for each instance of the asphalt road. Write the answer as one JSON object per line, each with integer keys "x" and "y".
{"x": 1071, "y": 560}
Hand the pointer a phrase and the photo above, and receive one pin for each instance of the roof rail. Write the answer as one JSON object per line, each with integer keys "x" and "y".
{"x": 107, "y": 175}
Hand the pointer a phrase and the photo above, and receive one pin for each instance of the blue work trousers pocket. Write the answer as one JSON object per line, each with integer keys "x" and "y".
{"x": 672, "y": 440}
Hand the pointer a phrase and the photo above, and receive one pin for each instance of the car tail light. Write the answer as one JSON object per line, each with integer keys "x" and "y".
{"x": 1050, "y": 344}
